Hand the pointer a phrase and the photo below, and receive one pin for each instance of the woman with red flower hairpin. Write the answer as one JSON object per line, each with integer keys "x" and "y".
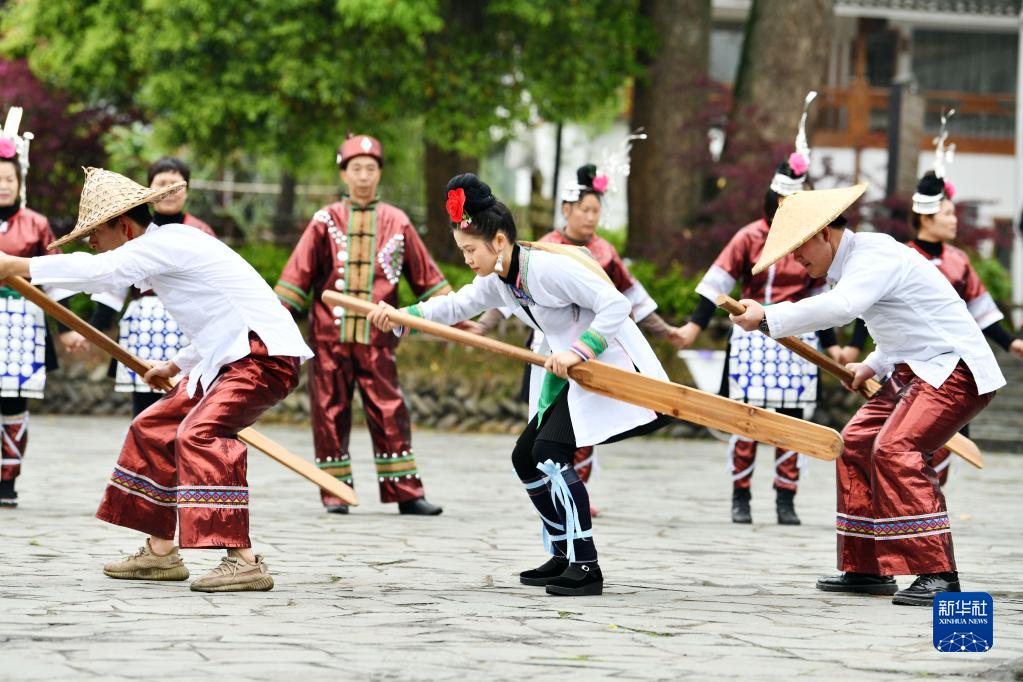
{"x": 759, "y": 371}
{"x": 581, "y": 204}
{"x": 561, "y": 291}
{"x": 26, "y": 351}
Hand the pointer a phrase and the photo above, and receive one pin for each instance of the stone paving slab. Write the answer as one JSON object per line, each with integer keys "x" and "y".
{"x": 377, "y": 596}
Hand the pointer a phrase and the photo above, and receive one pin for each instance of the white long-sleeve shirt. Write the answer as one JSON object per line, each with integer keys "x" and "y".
{"x": 213, "y": 294}
{"x": 911, "y": 311}
{"x": 565, "y": 300}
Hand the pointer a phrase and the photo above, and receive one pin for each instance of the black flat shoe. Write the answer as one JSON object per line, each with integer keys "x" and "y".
{"x": 858, "y": 583}
{"x": 740, "y": 506}
{"x": 337, "y": 508}
{"x": 926, "y": 587}
{"x": 578, "y": 580}
{"x": 419, "y": 507}
{"x": 540, "y": 576}
{"x": 785, "y": 505}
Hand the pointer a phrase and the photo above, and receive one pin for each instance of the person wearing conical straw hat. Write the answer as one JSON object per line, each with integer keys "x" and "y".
{"x": 759, "y": 371}
{"x": 933, "y": 218}
{"x": 892, "y": 519}
{"x": 182, "y": 466}
{"x": 145, "y": 327}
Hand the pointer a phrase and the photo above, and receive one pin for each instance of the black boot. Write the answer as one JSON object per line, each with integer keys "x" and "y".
{"x": 578, "y": 580}
{"x": 858, "y": 583}
{"x": 542, "y": 575}
{"x": 337, "y": 508}
{"x": 419, "y": 507}
{"x": 740, "y": 506}
{"x": 8, "y": 496}
{"x": 926, "y": 587}
{"x": 785, "y": 504}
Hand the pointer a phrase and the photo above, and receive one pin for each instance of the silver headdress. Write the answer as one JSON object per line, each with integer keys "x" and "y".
{"x": 929, "y": 204}
{"x": 799, "y": 161}
{"x": 21, "y": 144}
{"x": 613, "y": 167}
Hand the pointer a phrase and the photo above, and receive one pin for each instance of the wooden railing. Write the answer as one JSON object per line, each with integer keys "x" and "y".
{"x": 857, "y": 117}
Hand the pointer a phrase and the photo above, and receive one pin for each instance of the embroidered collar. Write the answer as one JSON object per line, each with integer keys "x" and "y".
{"x": 371, "y": 206}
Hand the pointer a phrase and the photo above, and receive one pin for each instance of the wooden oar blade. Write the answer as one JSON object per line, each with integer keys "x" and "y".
{"x": 300, "y": 466}
{"x": 681, "y": 402}
{"x": 710, "y": 410}
{"x": 967, "y": 449}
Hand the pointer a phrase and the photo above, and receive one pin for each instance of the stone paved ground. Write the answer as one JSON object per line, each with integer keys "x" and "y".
{"x": 375, "y": 596}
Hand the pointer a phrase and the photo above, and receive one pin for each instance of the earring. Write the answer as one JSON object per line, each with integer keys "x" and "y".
{"x": 499, "y": 264}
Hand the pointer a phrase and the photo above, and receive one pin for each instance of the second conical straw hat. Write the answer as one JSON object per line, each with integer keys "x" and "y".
{"x": 800, "y": 217}
{"x": 107, "y": 195}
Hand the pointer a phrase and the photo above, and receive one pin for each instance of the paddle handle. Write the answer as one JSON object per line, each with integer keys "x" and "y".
{"x": 806, "y": 351}
{"x": 436, "y": 329}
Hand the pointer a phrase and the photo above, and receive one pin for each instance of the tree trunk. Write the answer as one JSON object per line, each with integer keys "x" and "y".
{"x": 669, "y": 101}
{"x": 784, "y": 56}
{"x": 441, "y": 166}
{"x": 284, "y": 214}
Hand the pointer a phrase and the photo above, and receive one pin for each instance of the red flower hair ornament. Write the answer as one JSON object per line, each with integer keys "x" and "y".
{"x": 456, "y": 208}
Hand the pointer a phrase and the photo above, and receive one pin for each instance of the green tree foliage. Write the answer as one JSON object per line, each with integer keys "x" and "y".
{"x": 286, "y": 78}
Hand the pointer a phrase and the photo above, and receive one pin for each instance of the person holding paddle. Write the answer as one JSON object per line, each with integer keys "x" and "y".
{"x": 892, "y": 518}
{"x": 561, "y": 291}
{"x": 182, "y": 466}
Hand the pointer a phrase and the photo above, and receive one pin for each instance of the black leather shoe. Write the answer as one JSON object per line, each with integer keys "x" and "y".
{"x": 554, "y": 567}
{"x": 925, "y": 587}
{"x": 740, "y": 506}
{"x": 859, "y": 583}
{"x": 337, "y": 508}
{"x": 785, "y": 504}
{"x": 419, "y": 507}
{"x": 578, "y": 580}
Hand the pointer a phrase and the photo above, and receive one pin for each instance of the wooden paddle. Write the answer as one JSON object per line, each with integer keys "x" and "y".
{"x": 678, "y": 401}
{"x": 959, "y": 444}
{"x": 300, "y": 466}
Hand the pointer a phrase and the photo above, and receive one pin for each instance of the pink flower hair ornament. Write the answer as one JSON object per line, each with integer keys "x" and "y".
{"x": 600, "y": 183}
{"x": 798, "y": 164}
{"x": 7, "y": 149}
{"x": 950, "y": 190}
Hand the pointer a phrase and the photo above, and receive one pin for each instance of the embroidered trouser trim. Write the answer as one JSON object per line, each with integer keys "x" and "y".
{"x": 742, "y": 455}
{"x": 892, "y": 518}
{"x": 182, "y": 464}
{"x": 334, "y": 372}
{"x": 14, "y": 436}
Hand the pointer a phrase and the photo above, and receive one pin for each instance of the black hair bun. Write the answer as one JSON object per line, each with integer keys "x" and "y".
{"x": 785, "y": 169}
{"x": 930, "y": 185}
{"x": 586, "y": 174}
{"x": 478, "y": 196}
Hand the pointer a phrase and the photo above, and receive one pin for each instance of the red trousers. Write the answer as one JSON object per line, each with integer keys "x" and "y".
{"x": 892, "y": 518}
{"x": 583, "y": 460}
{"x": 333, "y": 374}
{"x": 742, "y": 454}
{"x": 182, "y": 463}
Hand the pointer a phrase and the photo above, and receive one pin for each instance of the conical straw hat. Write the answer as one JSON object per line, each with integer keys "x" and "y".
{"x": 107, "y": 195}
{"x": 800, "y": 217}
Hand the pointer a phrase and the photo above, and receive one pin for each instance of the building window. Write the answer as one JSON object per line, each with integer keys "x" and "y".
{"x": 725, "y": 52}
{"x": 983, "y": 63}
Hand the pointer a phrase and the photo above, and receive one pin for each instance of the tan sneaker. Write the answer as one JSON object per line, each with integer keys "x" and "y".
{"x": 234, "y": 574}
{"x": 144, "y": 565}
